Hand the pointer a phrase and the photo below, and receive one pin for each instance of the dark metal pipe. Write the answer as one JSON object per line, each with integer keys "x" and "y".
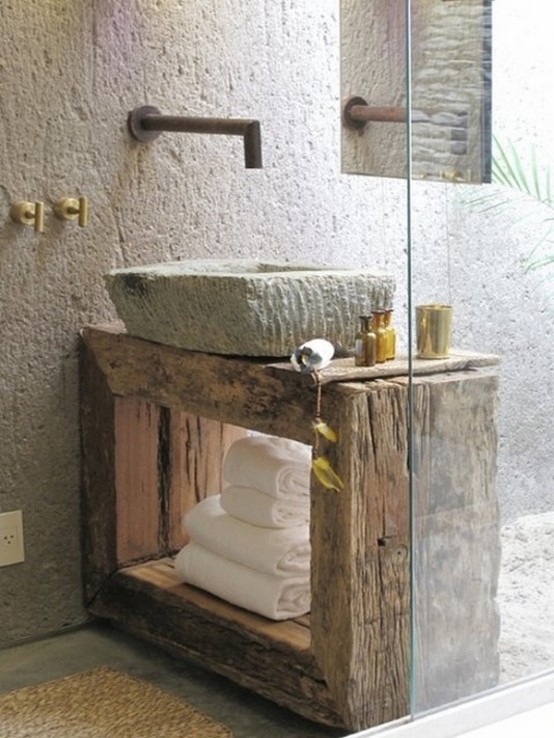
{"x": 356, "y": 113}
{"x": 365, "y": 114}
{"x": 145, "y": 123}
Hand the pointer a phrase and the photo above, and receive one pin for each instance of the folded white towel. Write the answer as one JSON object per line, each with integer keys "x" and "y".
{"x": 280, "y": 552}
{"x": 255, "y": 507}
{"x": 273, "y": 597}
{"x": 277, "y": 466}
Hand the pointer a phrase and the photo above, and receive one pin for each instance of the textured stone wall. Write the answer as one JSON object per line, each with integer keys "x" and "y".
{"x": 69, "y": 72}
{"x": 463, "y": 251}
{"x": 447, "y": 60}
{"x": 501, "y": 305}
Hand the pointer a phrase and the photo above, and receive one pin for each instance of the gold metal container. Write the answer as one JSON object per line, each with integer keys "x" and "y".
{"x": 378, "y": 326}
{"x": 391, "y": 335}
{"x": 433, "y": 331}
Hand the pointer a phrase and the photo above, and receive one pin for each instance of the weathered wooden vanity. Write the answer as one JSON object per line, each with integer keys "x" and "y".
{"x": 156, "y": 422}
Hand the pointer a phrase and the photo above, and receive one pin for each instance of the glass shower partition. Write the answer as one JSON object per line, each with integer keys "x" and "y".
{"x": 450, "y": 103}
{"x": 481, "y": 307}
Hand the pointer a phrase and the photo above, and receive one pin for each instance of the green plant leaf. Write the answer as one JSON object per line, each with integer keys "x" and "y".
{"x": 531, "y": 178}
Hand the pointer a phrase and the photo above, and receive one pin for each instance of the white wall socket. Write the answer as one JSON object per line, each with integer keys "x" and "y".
{"x": 11, "y": 538}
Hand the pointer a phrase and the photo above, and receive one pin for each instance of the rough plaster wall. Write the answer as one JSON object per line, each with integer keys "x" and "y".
{"x": 476, "y": 260}
{"x": 373, "y": 67}
{"x": 447, "y": 53}
{"x": 69, "y": 73}
{"x": 460, "y": 254}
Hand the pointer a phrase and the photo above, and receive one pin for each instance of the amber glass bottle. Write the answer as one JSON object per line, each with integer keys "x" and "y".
{"x": 366, "y": 343}
{"x": 391, "y": 335}
{"x": 378, "y": 326}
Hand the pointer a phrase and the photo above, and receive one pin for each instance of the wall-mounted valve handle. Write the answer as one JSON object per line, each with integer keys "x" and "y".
{"x": 69, "y": 208}
{"x": 28, "y": 213}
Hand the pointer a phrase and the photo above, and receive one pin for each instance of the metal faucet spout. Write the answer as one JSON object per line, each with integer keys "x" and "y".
{"x": 145, "y": 123}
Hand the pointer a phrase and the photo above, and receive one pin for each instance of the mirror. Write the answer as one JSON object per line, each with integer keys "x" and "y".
{"x": 450, "y": 88}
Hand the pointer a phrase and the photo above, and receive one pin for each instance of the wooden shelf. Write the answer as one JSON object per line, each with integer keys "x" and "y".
{"x": 156, "y": 423}
{"x": 345, "y": 370}
{"x": 159, "y": 576}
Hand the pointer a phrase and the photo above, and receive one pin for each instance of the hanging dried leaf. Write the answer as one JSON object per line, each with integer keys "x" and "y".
{"x": 323, "y": 429}
{"x": 325, "y": 474}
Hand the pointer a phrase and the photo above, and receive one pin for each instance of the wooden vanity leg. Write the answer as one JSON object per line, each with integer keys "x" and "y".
{"x": 360, "y": 593}
{"x": 123, "y": 517}
{"x": 97, "y": 413}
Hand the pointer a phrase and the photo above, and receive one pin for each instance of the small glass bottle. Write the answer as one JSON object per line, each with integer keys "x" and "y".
{"x": 391, "y": 335}
{"x": 366, "y": 343}
{"x": 378, "y": 326}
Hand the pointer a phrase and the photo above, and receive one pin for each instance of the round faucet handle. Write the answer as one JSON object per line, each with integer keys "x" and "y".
{"x": 28, "y": 213}
{"x": 69, "y": 208}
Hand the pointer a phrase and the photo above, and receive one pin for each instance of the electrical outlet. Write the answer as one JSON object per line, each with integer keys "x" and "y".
{"x": 11, "y": 538}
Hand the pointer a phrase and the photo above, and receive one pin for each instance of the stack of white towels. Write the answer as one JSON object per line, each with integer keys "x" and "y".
{"x": 250, "y": 545}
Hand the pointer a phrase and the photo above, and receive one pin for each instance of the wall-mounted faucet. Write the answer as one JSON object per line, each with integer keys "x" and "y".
{"x": 356, "y": 113}
{"x": 145, "y": 123}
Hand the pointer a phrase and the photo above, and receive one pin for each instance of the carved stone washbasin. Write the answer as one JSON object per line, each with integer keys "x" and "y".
{"x": 246, "y": 308}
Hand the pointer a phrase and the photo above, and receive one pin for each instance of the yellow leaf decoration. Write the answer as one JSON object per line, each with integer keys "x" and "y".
{"x": 322, "y": 428}
{"x": 325, "y": 474}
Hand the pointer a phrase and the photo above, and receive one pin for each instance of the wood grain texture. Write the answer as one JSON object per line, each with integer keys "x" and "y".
{"x": 197, "y": 449}
{"x": 456, "y": 538}
{"x": 351, "y": 668}
{"x": 237, "y": 391}
{"x": 143, "y": 468}
{"x": 345, "y": 370}
{"x": 138, "y": 495}
{"x": 162, "y": 574}
{"x": 358, "y": 541}
{"x": 270, "y": 658}
{"x": 97, "y": 412}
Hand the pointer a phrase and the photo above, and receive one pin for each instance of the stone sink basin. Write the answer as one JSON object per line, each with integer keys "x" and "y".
{"x": 245, "y": 308}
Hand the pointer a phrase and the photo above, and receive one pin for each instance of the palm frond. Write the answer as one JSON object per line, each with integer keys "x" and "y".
{"x": 516, "y": 176}
{"x": 539, "y": 263}
{"x": 531, "y": 178}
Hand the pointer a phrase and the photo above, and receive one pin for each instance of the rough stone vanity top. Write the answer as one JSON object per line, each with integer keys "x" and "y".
{"x": 246, "y": 308}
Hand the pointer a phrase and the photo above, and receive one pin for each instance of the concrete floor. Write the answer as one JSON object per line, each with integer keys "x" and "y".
{"x": 96, "y": 644}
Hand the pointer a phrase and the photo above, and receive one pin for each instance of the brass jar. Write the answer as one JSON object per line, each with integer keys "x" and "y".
{"x": 391, "y": 335}
{"x": 378, "y": 326}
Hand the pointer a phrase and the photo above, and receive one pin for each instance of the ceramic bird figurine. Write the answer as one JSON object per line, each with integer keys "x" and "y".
{"x": 312, "y": 355}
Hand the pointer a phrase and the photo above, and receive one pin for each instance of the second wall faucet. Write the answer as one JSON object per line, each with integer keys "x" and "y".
{"x": 145, "y": 123}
